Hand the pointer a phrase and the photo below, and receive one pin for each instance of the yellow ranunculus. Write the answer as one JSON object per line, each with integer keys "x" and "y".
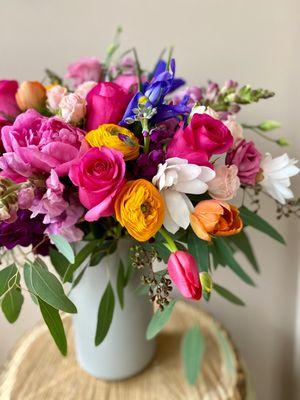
{"x": 140, "y": 208}
{"x": 115, "y": 137}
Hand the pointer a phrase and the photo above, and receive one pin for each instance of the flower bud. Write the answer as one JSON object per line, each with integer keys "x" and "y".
{"x": 207, "y": 284}
{"x": 31, "y": 94}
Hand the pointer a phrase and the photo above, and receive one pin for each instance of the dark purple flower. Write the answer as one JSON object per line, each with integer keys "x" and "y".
{"x": 146, "y": 164}
{"x": 25, "y": 231}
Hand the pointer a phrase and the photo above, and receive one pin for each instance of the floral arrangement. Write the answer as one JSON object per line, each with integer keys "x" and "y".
{"x": 115, "y": 151}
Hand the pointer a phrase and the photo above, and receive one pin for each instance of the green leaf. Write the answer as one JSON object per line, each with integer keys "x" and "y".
{"x": 252, "y": 219}
{"x": 162, "y": 251}
{"x": 59, "y": 262}
{"x": 63, "y": 247}
{"x": 227, "y": 353}
{"x": 269, "y": 125}
{"x": 12, "y": 303}
{"x": 242, "y": 243}
{"x": 78, "y": 278}
{"x": 159, "y": 320}
{"x": 225, "y": 252}
{"x": 103, "y": 249}
{"x": 8, "y": 277}
{"x": 53, "y": 321}
{"x": 27, "y": 272}
{"x": 192, "y": 351}
{"x": 121, "y": 283}
{"x": 228, "y": 295}
{"x": 79, "y": 259}
{"x": 49, "y": 289}
{"x": 105, "y": 314}
{"x": 199, "y": 249}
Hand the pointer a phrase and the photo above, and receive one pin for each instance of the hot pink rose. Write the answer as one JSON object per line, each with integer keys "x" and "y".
{"x": 106, "y": 104}
{"x": 8, "y": 104}
{"x": 183, "y": 271}
{"x": 225, "y": 184}
{"x": 85, "y": 69}
{"x": 202, "y": 138}
{"x": 99, "y": 174}
{"x": 36, "y": 144}
{"x": 247, "y": 159}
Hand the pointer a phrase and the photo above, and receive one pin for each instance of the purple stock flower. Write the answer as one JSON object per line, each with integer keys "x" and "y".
{"x": 25, "y": 231}
{"x": 146, "y": 164}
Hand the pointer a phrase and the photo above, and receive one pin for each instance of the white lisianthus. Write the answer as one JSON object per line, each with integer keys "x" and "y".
{"x": 276, "y": 176}
{"x": 174, "y": 179}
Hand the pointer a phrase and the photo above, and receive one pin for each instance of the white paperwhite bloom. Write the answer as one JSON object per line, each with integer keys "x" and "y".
{"x": 174, "y": 179}
{"x": 203, "y": 110}
{"x": 276, "y": 176}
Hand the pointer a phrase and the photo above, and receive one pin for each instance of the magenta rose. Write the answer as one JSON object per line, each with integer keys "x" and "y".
{"x": 100, "y": 175}
{"x": 106, "y": 104}
{"x": 202, "y": 138}
{"x": 85, "y": 69}
{"x": 36, "y": 144}
{"x": 8, "y": 104}
{"x": 247, "y": 159}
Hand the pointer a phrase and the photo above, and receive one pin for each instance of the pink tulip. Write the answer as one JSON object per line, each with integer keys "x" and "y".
{"x": 183, "y": 271}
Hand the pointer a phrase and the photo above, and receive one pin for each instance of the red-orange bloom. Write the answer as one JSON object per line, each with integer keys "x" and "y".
{"x": 214, "y": 217}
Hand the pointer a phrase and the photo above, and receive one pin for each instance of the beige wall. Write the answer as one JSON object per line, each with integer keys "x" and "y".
{"x": 254, "y": 42}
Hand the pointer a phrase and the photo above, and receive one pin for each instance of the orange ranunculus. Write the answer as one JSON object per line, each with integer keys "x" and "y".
{"x": 31, "y": 94}
{"x": 140, "y": 208}
{"x": 116, "y": 137}
{"x": 214, "y": 217}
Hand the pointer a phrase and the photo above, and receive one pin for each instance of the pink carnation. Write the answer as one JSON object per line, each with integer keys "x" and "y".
{"x": 36, "y": 144}
{"x": 85, "y": 69}
{"x": 99, "y": 174}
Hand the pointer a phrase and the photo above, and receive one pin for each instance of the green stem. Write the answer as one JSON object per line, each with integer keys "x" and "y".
{"x": 138, "y": 69}
{"x": 146, "y": 135}
{"x": 170, "y": 242}
{"x": 256, "y": 130}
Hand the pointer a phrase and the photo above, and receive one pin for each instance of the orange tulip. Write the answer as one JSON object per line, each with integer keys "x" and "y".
{"x": 214, "y": 217}
{"x": 31, "y": 94}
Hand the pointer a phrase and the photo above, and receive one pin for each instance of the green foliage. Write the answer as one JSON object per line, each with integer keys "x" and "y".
{"x": 121, "y": 283}
{"x": 59, "y": 262}
{"x": 241, "y": 242}
{"x": 64, "y": 247}
{"x": 159, "y": 320}
{"x": 225, "y": 253}
{"x": 228, "y": 295}
{"x": 9, "y": 276}
{"x": 12, "y": 303}
{"x": 79, "y": 259}
{"x": 192, "y": 350}
{"x": 103, "y": 248}
{"x": 199, "y": 249}
{"x": 105, "y": 314}
{"x": 254, "y": 220}
{"x": 53, "y": 321}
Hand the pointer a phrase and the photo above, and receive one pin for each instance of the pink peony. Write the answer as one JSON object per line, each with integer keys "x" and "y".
{"x": 106, "y": 104}
{"x": 85, "y": 69}
{"x": 183, "y": 271}
{"x": 99, "y": 174}
{"x": 36, "y": 144}
{"x": 247, "y": 159}
{"x": 202, "y": 138}
{"x": 54, "y": 97}
{"x": 84, "y": 89}
{"x": 72, "y": 108}
{"x": 225, "y": 184}
{"x": 8, "y": 104}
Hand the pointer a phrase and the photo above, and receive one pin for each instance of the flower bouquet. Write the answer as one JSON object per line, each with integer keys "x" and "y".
{"x": 114, "y": 156}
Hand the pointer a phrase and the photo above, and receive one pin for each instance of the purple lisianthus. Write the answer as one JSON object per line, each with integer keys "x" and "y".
{"x": 146, "y": 164}
{"x": 25, "y": 231}
{"x": 247, "y": 158}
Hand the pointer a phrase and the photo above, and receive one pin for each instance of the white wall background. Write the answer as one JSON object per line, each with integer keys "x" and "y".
{"x": 253, "y": 42}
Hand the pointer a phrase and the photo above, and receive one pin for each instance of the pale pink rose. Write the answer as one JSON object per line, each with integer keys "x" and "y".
{"x": 54, "y": 97}
{"x": 235, "y": 128}
{"x": 83, "y": 89}
{"x": 72, "y": 108}
{"x": 225, "y": 184}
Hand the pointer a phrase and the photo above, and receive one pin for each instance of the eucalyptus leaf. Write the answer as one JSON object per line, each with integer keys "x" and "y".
{"x": 53, "y": 321}
{"x": 79, "y": 259}
{"x": 199, "y": 249}
{"x": 59, "y": 262}
{"x": 105, "y": 314}
{"x": 159, "y": 320}
{"x": 27, "y": 273}
{"x": 63, "y": 247}
{"x": 225, "y": 252}
{"x": 12, "y": 303}
{"x": 193, "y": 346}
{"x": 228, "y": 295}
{"x": 49, "y": 289}
{"x": 8, "y": 277}
{"x": 252, "y": 219}
{"x": 121, "y": 283}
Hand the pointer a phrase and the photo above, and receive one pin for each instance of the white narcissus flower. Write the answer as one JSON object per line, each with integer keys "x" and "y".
{"x": 174, "y": 179}
{"x": 276, "y": 176}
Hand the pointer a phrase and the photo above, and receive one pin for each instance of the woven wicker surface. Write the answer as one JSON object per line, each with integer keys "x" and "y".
{"x": 36, "y": 371}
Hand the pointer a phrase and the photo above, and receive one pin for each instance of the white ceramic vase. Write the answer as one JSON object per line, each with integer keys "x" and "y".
{"x": 125, "y": 350}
